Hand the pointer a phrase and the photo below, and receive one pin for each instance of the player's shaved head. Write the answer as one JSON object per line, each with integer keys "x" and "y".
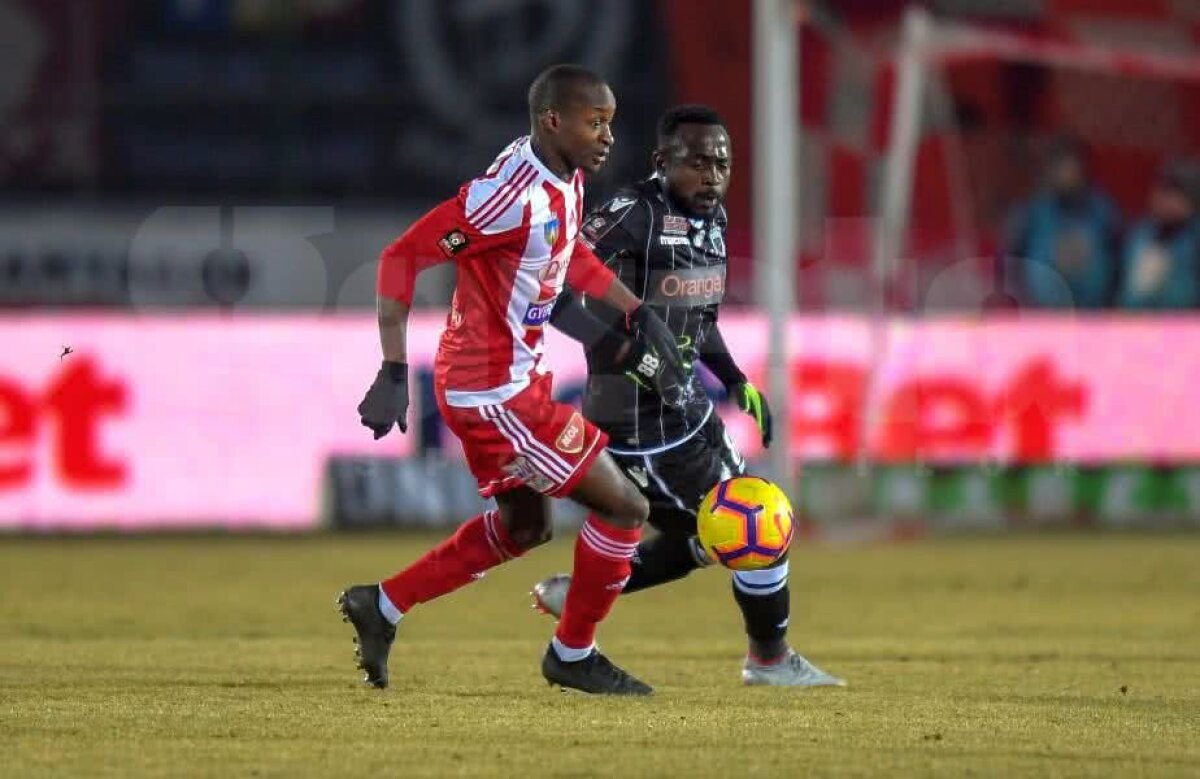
{"x": 570, "y": 118}
{"x": 559, "y": 87}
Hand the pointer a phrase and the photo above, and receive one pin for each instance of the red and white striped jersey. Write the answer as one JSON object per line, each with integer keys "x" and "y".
{"x": 512, "y": 234}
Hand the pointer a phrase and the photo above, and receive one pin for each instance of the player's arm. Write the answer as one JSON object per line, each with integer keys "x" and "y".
{"x": 571, "y": 317}
{"x": 596, "y": 327}
{"x": 651, "y": 354}
{"x": 434, "y": 239}
{"x": 715, "y": 355}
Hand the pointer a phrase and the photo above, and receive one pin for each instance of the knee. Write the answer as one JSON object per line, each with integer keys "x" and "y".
{"x": 527, "y": 529}
{"x": 633, "y": 509}
{"x": 527, "y": 535}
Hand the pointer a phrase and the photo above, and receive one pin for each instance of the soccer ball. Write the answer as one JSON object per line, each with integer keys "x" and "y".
{"x": 745, "y": 523}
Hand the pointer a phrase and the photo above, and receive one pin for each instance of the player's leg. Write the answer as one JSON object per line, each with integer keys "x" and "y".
{"x": 479, "y": 544}
{"x": 668, "y": 555}
{"x": 673, "y": 483}
{"x": 550, "y": 448}
{"x": 526, "y": 518}
{"x": 521, "y": 522}
{"x": 672, "y": 552}
{"x": 484, "y": 541}
{"x": 605, "y": 543}
{"x": 762, "y": 596}
{"x": 765, "y": 602}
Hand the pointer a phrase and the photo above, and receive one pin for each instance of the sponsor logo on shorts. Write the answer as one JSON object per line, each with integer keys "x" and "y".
{"x": 687, "y": 286}
{"x": 529, "y": 475}
{"x": 538, "y": 313}
{"x": 570, "y": 440}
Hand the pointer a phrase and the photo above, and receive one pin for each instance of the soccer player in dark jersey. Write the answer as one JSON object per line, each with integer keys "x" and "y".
{"x": 664, "y": 238}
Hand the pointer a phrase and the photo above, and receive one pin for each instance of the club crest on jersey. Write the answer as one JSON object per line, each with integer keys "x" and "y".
{"x": 674, "y": 225}
{"x": 570, "y": 440}
{"x": 538, "y": 313}
{"x": 453, "y": 242}
{"x": 551, "y": 232}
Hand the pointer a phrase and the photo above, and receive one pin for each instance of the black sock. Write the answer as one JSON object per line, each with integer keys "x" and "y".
{"x": 661, "y": 559}
{"x": 765, "y": 613}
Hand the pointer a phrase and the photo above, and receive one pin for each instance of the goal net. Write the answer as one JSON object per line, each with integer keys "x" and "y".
{"x": 974, "y": 115}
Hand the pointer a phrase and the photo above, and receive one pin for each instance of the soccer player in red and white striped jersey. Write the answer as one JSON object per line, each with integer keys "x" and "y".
{"x": 512, "y": 234}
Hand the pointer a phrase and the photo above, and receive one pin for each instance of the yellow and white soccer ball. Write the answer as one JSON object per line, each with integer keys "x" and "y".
{"x": 745, "y": 523}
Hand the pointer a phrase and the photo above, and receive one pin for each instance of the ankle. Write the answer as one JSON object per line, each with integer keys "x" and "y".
{"x": 768, "y": 652}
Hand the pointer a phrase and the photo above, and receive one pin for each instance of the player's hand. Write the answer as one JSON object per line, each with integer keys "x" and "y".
{"x": 655, "y": 358}
{"x": 644, "y": 367}
{"x": 754, "y": 403}
{"x": 386, "y": 402}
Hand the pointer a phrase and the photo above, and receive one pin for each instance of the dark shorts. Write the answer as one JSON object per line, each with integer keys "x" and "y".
{"x": 677, "y": 479}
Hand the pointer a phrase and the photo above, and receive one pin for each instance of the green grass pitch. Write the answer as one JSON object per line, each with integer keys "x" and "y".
{"x": 1065, "y": 655}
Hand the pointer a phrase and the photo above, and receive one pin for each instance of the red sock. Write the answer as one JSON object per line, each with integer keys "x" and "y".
{"x": 480, "y": 544}
{"x": 602, "y": 555}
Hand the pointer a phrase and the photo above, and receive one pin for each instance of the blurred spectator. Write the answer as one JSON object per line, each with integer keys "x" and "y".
{"x": 1161, "y": 262}
{"x": 1066, "y": 238}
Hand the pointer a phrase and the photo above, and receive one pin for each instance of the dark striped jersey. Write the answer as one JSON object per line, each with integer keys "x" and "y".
{"x": 676, "y": 264}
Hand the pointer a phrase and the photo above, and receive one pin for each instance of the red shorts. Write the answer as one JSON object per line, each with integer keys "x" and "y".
{"x": 529, "y": 439}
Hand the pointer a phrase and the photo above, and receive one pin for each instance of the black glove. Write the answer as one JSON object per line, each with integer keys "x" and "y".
{"x": 754, "y": 403}
{"x": 654, "y": 359}
{"x": 644, "y": 367}
{"x": 386, "y": 402}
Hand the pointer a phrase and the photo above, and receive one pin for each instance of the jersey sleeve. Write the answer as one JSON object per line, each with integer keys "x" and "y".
{"x": 586, "y": 273}
{"x": 447, "y": 233}
{"x": 493, "y": 204}
{"x": 714, "y": 353}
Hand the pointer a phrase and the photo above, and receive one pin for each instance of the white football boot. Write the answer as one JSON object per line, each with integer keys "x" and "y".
{"x": 792, "y": 671}
{"x": 550, "y": 594}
